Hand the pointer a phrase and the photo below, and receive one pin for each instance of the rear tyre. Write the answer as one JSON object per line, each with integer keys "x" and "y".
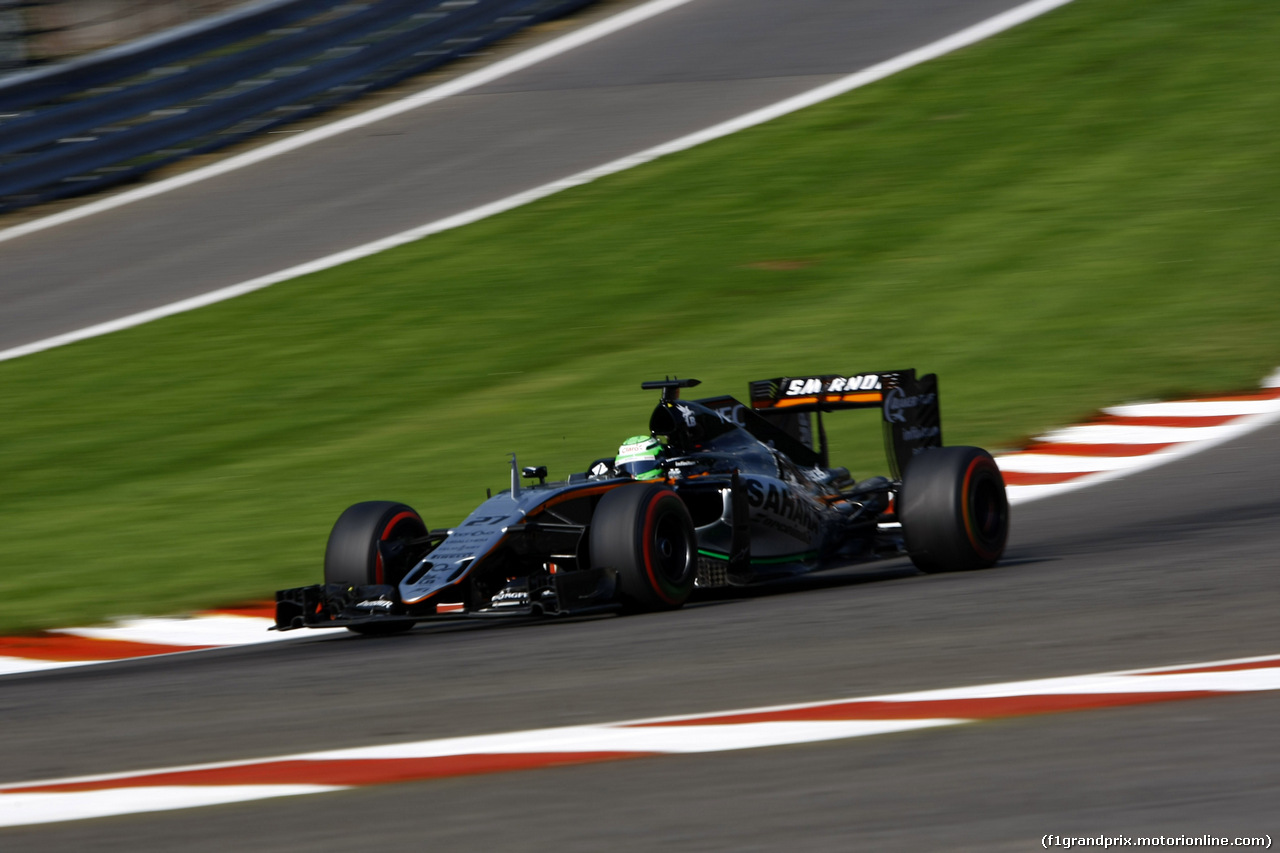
{"x": 368, "y": 545}
{"x": 644, "y": 532}
{"x": 954, "y": 510}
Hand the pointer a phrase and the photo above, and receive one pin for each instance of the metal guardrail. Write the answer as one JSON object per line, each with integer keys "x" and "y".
{"x": 28, "y": 89}
{"x": 46, "y": 126}
{"x": 140, "y": 112}
{"x": 36, "y": 33}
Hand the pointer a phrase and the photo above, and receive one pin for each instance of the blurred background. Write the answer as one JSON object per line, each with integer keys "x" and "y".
{"x": 36, "y": 32}
{"x": 101, "y": 93}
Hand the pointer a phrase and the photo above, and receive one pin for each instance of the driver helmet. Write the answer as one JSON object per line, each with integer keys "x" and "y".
{"x": 640, "y": 457}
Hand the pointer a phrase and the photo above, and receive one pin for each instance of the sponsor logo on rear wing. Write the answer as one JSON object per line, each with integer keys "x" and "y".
{"x": 828, "y": 391}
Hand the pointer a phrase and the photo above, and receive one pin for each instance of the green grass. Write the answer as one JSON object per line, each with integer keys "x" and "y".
{"x": 1079, "y": 212}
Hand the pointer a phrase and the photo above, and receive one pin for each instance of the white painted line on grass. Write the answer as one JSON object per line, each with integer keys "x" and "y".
{"x": 964, "y": 38}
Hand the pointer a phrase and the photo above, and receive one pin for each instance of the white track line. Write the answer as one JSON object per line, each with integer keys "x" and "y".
{"x": 10, "y": 665}
{"x": 57, "y": 800}
{"x": 1113, "y": 434}
{"x": 31, "y": 809}
{"x": 1047, "y": 463}
{"x": 1193, "y": 409}
{"x": 203, "y": 630}
{"x": 964, "y": 38}
{"x": 465, "y": 83}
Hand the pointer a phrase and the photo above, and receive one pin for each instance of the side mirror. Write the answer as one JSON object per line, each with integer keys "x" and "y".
{"x": 601, "y": 468}
{"x": 531, "y": 471}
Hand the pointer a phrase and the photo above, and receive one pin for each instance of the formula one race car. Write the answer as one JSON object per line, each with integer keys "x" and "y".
{"x": 718, "y": 494}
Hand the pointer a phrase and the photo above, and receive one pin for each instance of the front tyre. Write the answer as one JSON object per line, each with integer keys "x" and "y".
{"x": 645, "y": 533}
{"x": 369, "y": 544}
{"x": 954, "y": 510}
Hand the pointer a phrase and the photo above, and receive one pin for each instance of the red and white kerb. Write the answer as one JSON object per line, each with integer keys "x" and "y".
{"x": 1127, "y": 439}
{"x": 334, "y": 770}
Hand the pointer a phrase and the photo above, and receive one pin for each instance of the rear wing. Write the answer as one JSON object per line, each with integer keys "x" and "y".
{"x": 908, "y": 406}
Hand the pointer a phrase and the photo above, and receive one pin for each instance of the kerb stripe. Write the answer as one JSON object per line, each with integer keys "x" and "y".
{"x": 293, "y": 775}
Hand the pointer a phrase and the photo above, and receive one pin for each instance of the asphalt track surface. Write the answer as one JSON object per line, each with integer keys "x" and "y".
{"x": 682, "y": 71}
{"x": 1173, "y": 565}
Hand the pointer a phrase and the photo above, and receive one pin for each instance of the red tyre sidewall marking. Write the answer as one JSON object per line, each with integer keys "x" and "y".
{"x": 379, "y": 574}
{"x": 983, "y": 551}
{"x": 650, "y": 513}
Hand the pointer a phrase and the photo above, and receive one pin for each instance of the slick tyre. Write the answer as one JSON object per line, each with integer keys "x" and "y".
{"x": 953, "y": 509}
{"x": 644, "y": 532}
{"x": 368, "y": 546}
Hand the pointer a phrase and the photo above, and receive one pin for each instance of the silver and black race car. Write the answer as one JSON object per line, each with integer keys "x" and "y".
{"x": 737, "y": 494}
